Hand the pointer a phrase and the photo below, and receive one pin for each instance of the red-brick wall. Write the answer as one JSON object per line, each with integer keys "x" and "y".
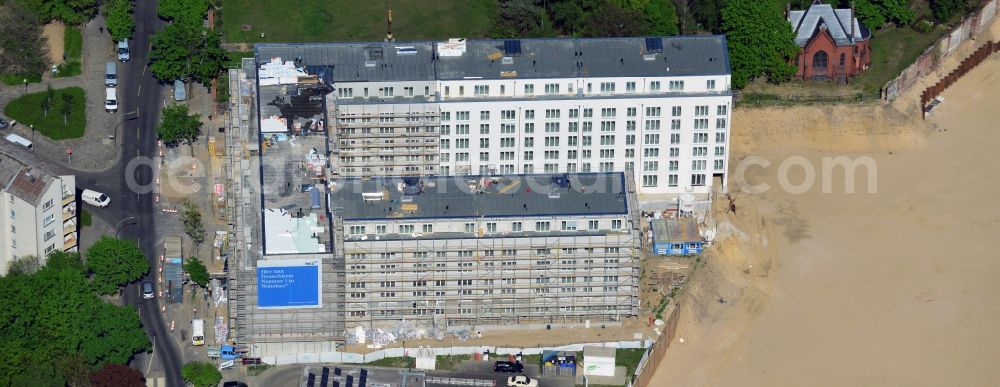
{"x": 854, "y": 63}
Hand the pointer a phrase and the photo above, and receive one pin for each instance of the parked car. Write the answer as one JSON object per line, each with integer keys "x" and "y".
{"x": 147, "y": 290}
{"x": 506, "y": 366}
{"x": 3, "y": 123}
{"x": 521, "y": 381}
{"x": 111, "y": 74}
{"x": 123, "y": 54}
{"x": 110, "y": 99}
{"x": 180, "y": 93}
{"x": 234, "y": 383}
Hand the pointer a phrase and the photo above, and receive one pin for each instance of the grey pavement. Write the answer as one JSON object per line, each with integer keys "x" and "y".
{"x": 94, "y": 151}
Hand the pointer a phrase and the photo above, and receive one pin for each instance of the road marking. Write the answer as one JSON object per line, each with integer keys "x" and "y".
{"x": 139, "y": 91}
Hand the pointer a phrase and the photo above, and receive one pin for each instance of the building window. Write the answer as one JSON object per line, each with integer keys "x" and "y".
{"x": 515, "y": 227}
{"x": 630, "y": 87}
{"x": 675, "y": 111}
{"x": 718, "y": 164}
{"x": 843, "y": 59}
{"x": 508, "y": 114}
{"x": 551, "y": 88}
{"x": 470, "y": 227}
{"x": 710, "y": 84}
{"x": 529, "y": 89}
{"x": 697, "y": 180}
{"x": 672, "y": 180}
{"x": 48, "y": 220}
{"x": 428, "y": 228}
{"x": 676, "y": 85}
{"x": 482, "y": 90}
{"x": 820, "y": 59}
{"x": 649, "y": 180}
{"x": 654, "y": 86}
{"x": 721, "y": 110}
{"x": 484, "y": 115}
{"x": 607, "y": 87}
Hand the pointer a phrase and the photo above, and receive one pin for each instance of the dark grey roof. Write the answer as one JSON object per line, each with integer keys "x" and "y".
{"x": 675, "y": 230}
{"x": 837, "y": 22}
{"x": 483, "y": 196}
{"x": 347, "y": 61}
{"x": 537, "y": 58}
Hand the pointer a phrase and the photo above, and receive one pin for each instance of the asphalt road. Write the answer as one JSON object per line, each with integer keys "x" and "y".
{"x": 139, "y": 92}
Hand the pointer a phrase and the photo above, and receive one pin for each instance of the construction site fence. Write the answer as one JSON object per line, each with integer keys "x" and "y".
{"x": 460, "y": 382}
{"x": 969, "y": 63}
{"x": 358, "y": 358}
{"x": 971, "y": 26}
{"x": 653, "y": 356}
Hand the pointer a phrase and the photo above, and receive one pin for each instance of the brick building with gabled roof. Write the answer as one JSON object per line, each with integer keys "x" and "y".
{"x": 834, "y": 44}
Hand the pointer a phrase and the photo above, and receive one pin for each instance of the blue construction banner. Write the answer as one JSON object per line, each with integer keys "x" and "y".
{"x": 291, "y": 283}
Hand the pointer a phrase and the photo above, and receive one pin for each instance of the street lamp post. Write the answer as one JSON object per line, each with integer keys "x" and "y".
{"x": 134, "y": 115}
{"x": 25, "y": 85}
{"x": 32, "y": 133}
{"x": 117, "y": 226}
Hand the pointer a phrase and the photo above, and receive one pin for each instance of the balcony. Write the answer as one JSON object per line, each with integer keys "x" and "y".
{"x": 69, "y": 226}
{"x": 69, "y": 242}
{"x": 68, "y": 199}
{"x": 69, "y": 212}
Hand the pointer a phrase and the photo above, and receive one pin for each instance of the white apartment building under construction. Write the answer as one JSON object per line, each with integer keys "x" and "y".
{"x": 657, "y": 106}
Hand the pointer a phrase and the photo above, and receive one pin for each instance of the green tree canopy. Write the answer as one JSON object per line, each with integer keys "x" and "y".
{"x": 197, "y": 271}
{"x": 659, "y": 15}
{"x": 68, "y": 11}
{"x": 22, "y": 46}
{"x": 761, "y": 43}
{"x": 114, "y": 263}
{"x": 517, "y": 19}
{"x": 118, "y": 16}
{"x": 186, "y": 50}
{"x": 177, "y": 126}
{"x": 182, "y": 10}
{"x": 613, "y": 20}
{"x": 945, "y": 9}
{"x": 53, "y": 316}
{"x": 876, "y": 13}
{"x": 201, "y": 374}
{"x": 192, "y": 223}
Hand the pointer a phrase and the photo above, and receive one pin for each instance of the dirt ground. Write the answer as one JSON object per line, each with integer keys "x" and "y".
{"x": 53, "y": 33}
{"x": 892, "y": 288}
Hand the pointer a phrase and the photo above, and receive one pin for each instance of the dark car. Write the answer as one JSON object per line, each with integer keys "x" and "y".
{"x": 234, "y": 384}
{"x": 3, "y": 123}
{"x": 506, "y": 366}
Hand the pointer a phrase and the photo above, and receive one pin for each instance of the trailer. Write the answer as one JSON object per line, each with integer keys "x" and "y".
{"x": 173, "y": 269}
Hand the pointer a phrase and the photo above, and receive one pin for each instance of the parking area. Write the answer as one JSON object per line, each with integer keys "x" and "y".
{"x": 483, "y": 370}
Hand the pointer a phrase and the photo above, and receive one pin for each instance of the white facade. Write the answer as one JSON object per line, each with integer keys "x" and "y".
{"x": 39, "y": 213}
{"x": 672, "y": 132}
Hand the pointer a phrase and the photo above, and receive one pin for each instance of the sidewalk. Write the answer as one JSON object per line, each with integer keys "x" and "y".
{"x": 94, "y": 151}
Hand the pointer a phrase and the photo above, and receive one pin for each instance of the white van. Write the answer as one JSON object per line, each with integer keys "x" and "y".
{"x": 197, "y": 332}
{"x": 110, "y": 99}
{"x": 19, "y": 140}
{"x": 111, "y": 74}
{"x": 95, "y": 198}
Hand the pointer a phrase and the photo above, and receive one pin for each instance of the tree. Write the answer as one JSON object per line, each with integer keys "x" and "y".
{"x": 47, "y": 101}
{"x": 185, "y": 50}
{"x": 182, "y": 10}
{"x": 25, "y": 264}
{"x": 612, "y": 20}
{"x": 567, "y": 16}
{"x": 117, "y": 375}
{"x": 760, "y": 42}
{"x": 197, "y": 271}
{"x": 192, "y": 223}
{"x": 177, "y": 126}
{"x": 115, "y": 262}
{"x": 945, "y": 9}
{"x": 74, "y": 369}
{"x": 54, "y": 317}
{"x": 875, "y": 13}
{"x": 516, "y": 19}
{"x": 21, "y": 42}
{"x": 67, "y": 107}
{"x": 659, "y": 15}
{"x": 68, "y": 11}
{"x": 708, "y": 13}
{"x": 118, "y": 16}
{"x": 38, "y": 374}
{"x": 201, "y": 374}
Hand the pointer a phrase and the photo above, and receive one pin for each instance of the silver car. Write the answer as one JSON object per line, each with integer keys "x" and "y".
{"x": 147, "y": 290}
